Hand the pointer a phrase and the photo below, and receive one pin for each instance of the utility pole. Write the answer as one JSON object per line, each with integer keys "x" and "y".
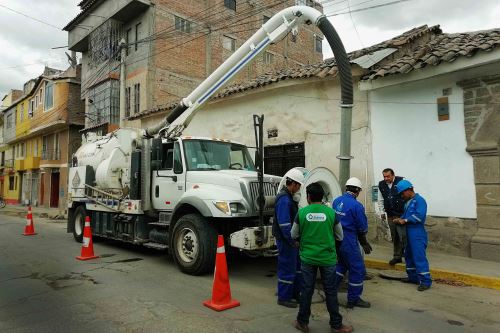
{"x": 123, "y": 49}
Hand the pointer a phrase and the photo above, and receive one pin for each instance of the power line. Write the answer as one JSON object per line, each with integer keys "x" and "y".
{"x": 31, "y": 17}
{"x": 367, "y": 8}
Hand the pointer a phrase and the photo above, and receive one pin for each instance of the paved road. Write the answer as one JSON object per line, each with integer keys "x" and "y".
{"x": 130, "y": 289}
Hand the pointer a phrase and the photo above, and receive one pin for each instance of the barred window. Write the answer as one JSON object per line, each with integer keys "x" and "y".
{"x": 182, "y": 24}
{"x": 228, "y": 43}
{"x": 137, "y": 97}
{"x": 318, "y": 44}
{"x": 231, "y": 4}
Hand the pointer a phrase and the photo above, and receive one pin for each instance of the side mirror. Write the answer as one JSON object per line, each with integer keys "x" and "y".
{"x": 155, "y": 165}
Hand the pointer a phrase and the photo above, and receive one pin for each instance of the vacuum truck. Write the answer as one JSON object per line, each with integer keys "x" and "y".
{"x": 161, "y": 189}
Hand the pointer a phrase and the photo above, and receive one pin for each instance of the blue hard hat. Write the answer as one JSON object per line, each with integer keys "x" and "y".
{"x": 403, "y": 185}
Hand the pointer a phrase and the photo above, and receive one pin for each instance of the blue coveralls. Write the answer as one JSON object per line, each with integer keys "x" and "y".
{"x": 417, "y": 265}
{"x": 352, "y": 217}
{"x": 289, "y": 275}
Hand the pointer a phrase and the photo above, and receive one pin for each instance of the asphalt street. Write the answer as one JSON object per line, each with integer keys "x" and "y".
{"x": 43, "y": 288}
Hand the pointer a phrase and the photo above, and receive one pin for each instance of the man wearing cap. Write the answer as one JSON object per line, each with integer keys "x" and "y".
{"x": 285, "y": 210}
{"x": 417, "y": 266}
{"x": 352, "y": 217}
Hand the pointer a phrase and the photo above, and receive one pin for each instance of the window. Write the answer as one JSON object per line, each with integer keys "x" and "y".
{"x": 128, "y": 39}
{"x": 127, "y": 102}
{"x": 213, "y": 155}
{"x": 49, "y": 95}
{"x": 137, "y": 34}
{"x": 279, "y": 159}
{"x": 231, "y": 4}
{"x": 182, "y": 24}
{"x": 137, "y": 97}
{"x": 40, "y": 94}
{"x": 177, "y": 159}
{"x": 318, "y": 44}
{"x": 35, "y": 153}
{"x": 268, "y": 58}
{"x": 21, "y": 112}
{"x": 45, "y": 147}
{"x": 57, "y": 149}
{"x": 228, "y": 43}
{"x": 10, "y": 123}
{"x": 31, "y": 108}
{"x": 12, "y": 183}
{"x": 265, "y": 19}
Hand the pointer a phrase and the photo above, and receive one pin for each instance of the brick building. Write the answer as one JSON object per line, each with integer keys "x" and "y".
{"x": 171, "y": 47}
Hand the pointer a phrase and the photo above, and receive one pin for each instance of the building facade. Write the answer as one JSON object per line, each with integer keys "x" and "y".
{"x": 42, "y": 129}
{"x": 425, "y": 104}
{"x": 171, "y": 47}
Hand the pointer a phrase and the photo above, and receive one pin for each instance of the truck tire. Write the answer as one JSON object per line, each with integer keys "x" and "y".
{"x": 193, "y": 244}
{"x": 78, "y": 222}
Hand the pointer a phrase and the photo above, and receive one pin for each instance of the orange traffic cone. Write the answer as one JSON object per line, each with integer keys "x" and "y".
{"x": 29, "y": 229}
{"x": 87, "y": 246}
{"x": 221, "y": 292}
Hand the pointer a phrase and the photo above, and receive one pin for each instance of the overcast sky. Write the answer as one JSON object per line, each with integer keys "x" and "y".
{"x": 26, "y": 44}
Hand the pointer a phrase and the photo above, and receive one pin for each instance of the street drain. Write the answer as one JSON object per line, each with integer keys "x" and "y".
{"x": 107, "y": 255}
{"x": 125, "y": 260}
{"x": 455, "y": 323}
{"x": 417, "y": 310}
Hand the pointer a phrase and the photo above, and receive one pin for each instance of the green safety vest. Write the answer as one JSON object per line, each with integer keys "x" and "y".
{"x": 317, "y": 241}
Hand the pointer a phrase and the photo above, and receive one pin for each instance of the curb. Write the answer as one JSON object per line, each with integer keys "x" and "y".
{"x": 469, "y": 279}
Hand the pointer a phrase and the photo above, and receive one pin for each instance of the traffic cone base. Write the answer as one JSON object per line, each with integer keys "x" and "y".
{"x": 87, "y": 245}
{"x": 86, "y": 258}
{"x": 29, "y": 229}
{"x": 221, "y": 291}
{"x": 221, "y": 307}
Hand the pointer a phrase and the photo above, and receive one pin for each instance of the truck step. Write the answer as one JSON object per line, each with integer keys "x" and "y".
{"x": 156, "y": 246}
{"x": 159, "y": 224}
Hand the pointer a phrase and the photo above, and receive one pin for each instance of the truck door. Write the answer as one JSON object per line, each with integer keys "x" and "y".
{"x": 169, "y": 180}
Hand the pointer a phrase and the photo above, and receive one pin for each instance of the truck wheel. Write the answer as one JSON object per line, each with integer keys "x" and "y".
{"x": 193, "y": 244}
{"x": 78, "y": 223}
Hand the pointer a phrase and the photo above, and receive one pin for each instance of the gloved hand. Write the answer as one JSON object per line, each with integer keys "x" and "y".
{"x": 364, "y": 243}
{"x": 367, "y": 247}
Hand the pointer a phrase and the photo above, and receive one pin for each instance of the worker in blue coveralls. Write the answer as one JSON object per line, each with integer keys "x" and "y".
{"x": 285, "y": 210}
{"x": 417, "y": 266}
{"x": 351, "y": 214}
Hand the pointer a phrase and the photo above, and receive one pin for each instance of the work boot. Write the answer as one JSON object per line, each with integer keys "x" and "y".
{"x": 359, "y": 303}
{"x": 423, "y": 287}
{"x": 394, "y": 261}
{"x": 343, "y": 329}
{"x": 288, "y": 304}
{"x": 407, "y": 280}
{"x": 301, "y": 327}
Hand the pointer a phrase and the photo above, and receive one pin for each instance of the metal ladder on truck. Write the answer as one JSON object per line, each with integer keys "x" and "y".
{"x": 103, "y": 198}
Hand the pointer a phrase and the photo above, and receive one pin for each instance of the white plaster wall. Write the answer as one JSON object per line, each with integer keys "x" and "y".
{"x": 302, "y": 111}
{"x": 408, "y": 137}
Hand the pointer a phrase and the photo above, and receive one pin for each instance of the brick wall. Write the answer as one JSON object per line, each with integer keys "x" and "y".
{"x": 183, "y": 59}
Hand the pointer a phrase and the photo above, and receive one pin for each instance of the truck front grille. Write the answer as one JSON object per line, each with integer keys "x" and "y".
{"x": 270, "y": 189}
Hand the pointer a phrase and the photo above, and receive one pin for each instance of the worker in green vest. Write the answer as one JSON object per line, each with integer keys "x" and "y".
{"x": 314, "y": 229}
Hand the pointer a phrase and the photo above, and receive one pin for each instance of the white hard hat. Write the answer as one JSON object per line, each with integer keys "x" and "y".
{"x": 353, "y": 181}
{"x": 296, "y": 176}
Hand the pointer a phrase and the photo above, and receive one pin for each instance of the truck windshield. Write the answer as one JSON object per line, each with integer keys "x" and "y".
{"x": 216, "y": 155}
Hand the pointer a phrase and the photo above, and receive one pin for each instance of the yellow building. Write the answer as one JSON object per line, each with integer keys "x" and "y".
{"x": 47, "y": 120}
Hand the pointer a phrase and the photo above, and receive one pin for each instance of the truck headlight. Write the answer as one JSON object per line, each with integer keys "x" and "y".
{"x": 223, "y": 206}
{"x": 237, "y": 208}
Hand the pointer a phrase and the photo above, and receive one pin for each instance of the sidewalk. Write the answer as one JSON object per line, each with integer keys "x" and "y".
{"x": 21, "y": 211}
{"x": 479, "y": 273}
